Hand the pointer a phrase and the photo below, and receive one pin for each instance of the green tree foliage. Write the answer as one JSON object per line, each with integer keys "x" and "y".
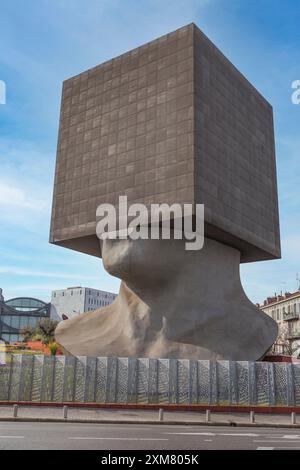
{"x": 46, "y": 328}
{"x": 27, "y": 332}
{"x": 44, "y": 331}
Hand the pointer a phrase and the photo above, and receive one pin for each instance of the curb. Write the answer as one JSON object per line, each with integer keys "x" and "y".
{"x": 166, "y": 407}
{"x": 151, "y": 422}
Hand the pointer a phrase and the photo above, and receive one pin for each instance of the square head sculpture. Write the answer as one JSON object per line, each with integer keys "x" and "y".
{"x": 170, "y": 121}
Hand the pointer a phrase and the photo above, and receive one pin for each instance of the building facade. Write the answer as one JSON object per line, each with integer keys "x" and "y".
{"x": 285, "y": 310}
{"x": 18, "y": 313}
{"x": 75, "y": 300}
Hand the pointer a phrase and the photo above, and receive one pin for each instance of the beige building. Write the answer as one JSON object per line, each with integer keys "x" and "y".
{"x": 76, "y": 300}
{"x": 285, "y": 310}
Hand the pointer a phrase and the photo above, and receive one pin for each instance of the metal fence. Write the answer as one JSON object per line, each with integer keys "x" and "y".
{"x": 164, "y": 381}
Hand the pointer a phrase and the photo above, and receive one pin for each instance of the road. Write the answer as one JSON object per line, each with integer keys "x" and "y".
{"x": 21, "y": 435}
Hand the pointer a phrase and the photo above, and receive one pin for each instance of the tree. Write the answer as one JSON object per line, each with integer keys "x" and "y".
{"x": 27, "y": 332}
{"x": 44, "y": 331}
{"x": 283, "y": 344}
{"x": 46, "y": 328}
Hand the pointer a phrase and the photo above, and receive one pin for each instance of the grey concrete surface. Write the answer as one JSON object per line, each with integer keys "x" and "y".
{"x": 182, "y": 304}
{"x": 74, "y": 436}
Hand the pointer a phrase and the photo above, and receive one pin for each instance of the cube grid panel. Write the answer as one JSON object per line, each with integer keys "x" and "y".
{"x": 171, "y": 121}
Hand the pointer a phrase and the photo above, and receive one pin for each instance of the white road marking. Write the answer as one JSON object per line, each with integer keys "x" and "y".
{"x": 265, "y": 448}
{"x": 11, "y": 437}
{"x": 238, "y": 434}
{"x": 291, "y": 436}
{"x": 273, "y": 440}
{"x": 213, "y": 434}
{"x": 118, "y": 438}
{"x": 191, "y": 433}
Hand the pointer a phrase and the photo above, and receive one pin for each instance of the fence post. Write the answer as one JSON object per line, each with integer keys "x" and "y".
{"x": 15, "y": 411}
{"x": 65, "y": 412}
{"x": 293, "y": 418}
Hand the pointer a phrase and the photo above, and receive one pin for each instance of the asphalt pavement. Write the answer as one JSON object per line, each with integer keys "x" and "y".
{"x": 78, "y": 436}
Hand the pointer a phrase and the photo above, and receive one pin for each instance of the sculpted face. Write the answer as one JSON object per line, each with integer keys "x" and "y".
{"x": 142, "y": 261}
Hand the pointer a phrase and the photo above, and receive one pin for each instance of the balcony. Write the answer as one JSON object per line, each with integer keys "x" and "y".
{"x": 290, "y": 316}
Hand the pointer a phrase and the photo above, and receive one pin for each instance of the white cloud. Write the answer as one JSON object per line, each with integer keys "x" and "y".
{"x": 25, "y": 185}
{"x": 16, "y": 196}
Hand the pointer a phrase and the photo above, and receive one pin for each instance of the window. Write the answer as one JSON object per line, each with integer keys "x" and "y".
{"x": 32, "y": 321}
{"x": 23, "y": 322}
{"x": 6, "y": 319}
{"x": 15, "y": 322}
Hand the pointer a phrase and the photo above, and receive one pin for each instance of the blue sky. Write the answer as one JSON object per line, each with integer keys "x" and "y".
{"x": 43, "y": 42}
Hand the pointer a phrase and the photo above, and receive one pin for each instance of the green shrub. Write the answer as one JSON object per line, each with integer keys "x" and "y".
{"x": 46, "y": 328}
{"x": 27, "y": 332}
{"x": 53, "y": 347}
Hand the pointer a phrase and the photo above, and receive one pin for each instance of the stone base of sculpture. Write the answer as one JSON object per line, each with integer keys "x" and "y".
{"x": 172, "y": 303}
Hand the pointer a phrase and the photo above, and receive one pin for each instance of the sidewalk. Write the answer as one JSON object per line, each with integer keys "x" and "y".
{"x": 84, "y": 415}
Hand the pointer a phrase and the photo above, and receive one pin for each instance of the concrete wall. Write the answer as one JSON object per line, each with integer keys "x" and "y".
{"x": 122, "y": 380}
{"x": 62, "y": 302}
{"x": 235, "y": 154}
{"x": 126, "y": 128}
{"x": 74, "y": 301}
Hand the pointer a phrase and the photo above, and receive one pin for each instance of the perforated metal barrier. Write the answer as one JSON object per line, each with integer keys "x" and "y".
{"x": 165, "y": 381}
